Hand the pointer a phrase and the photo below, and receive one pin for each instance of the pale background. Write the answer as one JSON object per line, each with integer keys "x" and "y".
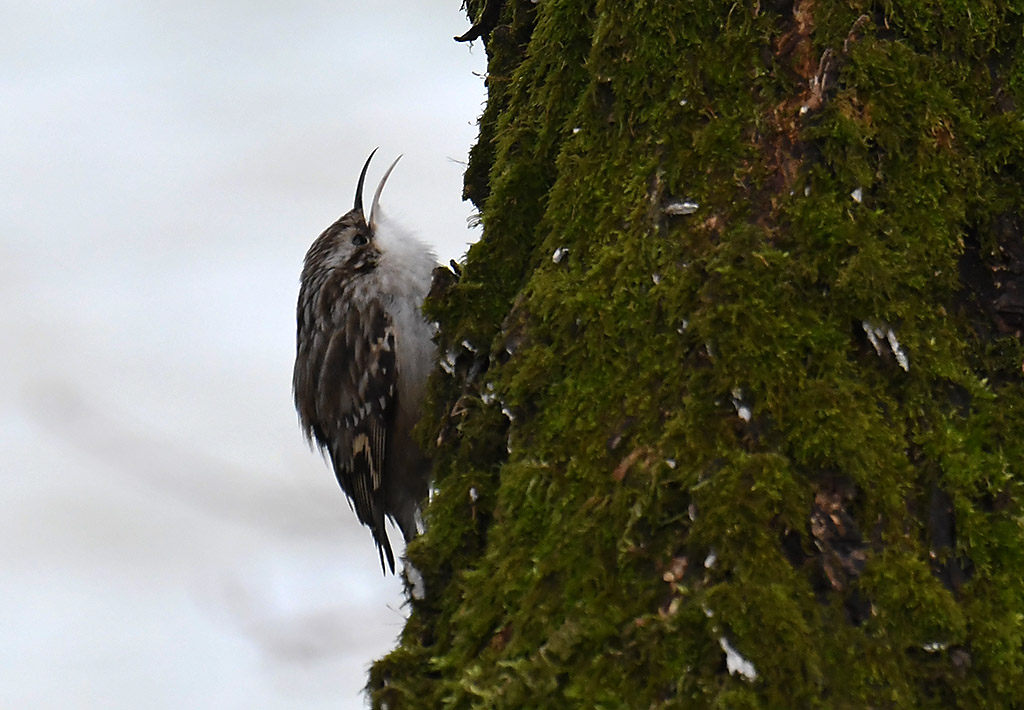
{"x": 166, "y": 538}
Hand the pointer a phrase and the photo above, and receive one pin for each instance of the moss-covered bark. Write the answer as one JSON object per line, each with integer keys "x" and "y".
{"x": 736, "y": 365}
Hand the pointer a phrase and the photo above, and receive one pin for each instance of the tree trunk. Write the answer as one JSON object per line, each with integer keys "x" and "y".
{"x": 732, "y": 413}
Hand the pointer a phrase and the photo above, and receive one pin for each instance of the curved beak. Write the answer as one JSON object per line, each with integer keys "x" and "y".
{"x": 359, "y": 186}
{"x": 376, "y": 195}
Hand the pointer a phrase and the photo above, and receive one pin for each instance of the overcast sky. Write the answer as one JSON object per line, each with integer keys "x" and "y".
{"x": 167, "y": 540}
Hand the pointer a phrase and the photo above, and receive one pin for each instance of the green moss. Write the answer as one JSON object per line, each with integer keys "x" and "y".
{"x": 604, "y": 515}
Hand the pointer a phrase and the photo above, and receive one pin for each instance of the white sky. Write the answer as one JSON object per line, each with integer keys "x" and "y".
{"x": 166, "y": 538}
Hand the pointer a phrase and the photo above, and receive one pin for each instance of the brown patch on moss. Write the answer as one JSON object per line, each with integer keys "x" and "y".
{"x": 783, "y": 147}
{"x": 500, "y": 639}
{"x": 837, "y": 536}
{"x": 631, "y": 458}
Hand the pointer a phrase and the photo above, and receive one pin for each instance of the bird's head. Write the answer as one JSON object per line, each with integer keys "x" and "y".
{"x": 350, "y": 240}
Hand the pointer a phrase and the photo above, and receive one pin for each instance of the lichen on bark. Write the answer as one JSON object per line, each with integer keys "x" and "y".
{"x": 732, "y": 406}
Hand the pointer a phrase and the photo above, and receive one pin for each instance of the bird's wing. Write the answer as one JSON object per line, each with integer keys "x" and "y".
{"x": 355, "y": 396}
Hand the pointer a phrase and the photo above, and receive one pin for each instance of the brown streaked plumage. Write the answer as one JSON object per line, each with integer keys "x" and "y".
{"x": 363, "y": 352}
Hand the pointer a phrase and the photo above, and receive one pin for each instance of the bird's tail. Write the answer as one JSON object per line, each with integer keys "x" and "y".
{"x": 380, "y": 536}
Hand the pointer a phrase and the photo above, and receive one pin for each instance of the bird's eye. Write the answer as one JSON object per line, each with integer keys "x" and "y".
{"x": 359, "y": 239}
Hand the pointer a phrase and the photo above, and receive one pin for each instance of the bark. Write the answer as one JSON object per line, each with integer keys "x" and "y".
{"x": 732, "y": 411}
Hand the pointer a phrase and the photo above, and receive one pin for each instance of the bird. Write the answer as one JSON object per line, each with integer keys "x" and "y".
{"x": 363, "y": 354}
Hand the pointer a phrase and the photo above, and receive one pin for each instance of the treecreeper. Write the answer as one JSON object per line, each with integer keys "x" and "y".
{"x": 363, "y": 354}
